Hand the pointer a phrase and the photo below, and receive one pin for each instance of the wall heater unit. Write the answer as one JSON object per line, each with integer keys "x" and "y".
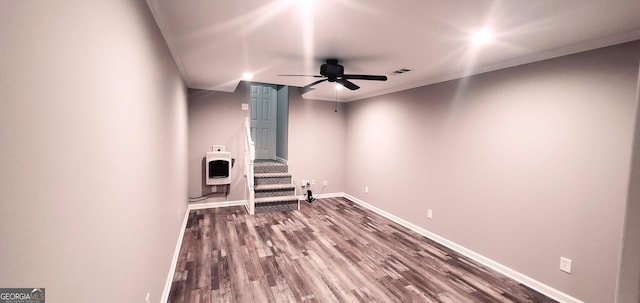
{"x": 218, "y": 167}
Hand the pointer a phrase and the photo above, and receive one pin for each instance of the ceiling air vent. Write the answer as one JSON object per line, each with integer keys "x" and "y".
{"x": 400, "y": 71}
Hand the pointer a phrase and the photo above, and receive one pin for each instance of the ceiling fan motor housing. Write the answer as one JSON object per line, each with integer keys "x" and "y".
{"x": 331, "y": 71}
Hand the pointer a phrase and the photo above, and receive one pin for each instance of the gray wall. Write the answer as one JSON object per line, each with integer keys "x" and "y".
{"x": 629, "y": 280}
{"x": 217, "y": 118}
{"x": 282, "y": 129}
{"x": 316, "y": 139}
{"x": 521, "y": 165}
{"x": 93, "y": 150}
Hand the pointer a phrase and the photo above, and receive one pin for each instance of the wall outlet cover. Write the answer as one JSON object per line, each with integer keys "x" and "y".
{"x": 565, "y": 265}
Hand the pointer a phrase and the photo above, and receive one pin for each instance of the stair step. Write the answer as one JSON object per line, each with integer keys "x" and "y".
{"x": 270, "y": 200}
{"x": 272, "y": 175}
{"x": 274, "y": 187}
{"x": 272, "y": 178}
{"x": 274, "y": 190}
{"x": 261, "y": 167}
{"x": 276, "y": 204}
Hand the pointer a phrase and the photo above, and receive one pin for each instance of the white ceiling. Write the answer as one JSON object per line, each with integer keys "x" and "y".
{"x": 215, "y": 42}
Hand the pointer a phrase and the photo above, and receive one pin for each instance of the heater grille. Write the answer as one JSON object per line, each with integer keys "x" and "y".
{"x": 218, "y": 169}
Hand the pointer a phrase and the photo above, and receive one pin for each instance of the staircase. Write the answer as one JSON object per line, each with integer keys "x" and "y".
{"x": 273, "y": 189}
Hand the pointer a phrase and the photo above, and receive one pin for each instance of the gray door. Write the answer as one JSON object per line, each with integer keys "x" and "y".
{"x": 263, "y": 120}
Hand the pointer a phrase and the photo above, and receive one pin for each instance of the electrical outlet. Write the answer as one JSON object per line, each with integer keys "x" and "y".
{"x": 565, "y": 265}
{"x": 366, "y": 189}
{"x": 429, "y": 214}
{"x": 324, "y": 183}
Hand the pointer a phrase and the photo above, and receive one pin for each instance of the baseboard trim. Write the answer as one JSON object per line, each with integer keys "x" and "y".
{"x": 174, "y": 260}
{"x": 331, "y": 195}
{"x": 513, "y": 274}
{"x": 320, "y": 196}
{"x": 205, "y": 205}
{"x": 281, "y": 160}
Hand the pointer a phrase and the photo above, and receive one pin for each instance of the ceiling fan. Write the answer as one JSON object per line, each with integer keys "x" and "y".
{"x": 334, "y": 72}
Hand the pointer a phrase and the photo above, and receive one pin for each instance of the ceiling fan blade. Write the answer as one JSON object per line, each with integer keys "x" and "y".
{"x": 315, "y": 76}
{"x": 366, "y": 77}
{"x": 309, "y": 86}
{"x": 348, "y": 84}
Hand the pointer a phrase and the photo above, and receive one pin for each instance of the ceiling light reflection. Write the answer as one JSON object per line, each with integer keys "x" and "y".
{"x": 482, "y": 37}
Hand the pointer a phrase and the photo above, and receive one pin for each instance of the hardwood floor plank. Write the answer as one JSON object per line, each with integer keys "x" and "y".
{"x": 316, "y": 284}
{"x": 296, "y": 283}
{"x": 261, "y": 292}
{"x": 190, "y": 269}
{"x": 240, "y": 286}
{"x": 224, "y": 289}
{"x": 330, "y": 251}
{"x": 203, "y": 264}
{"x": 215, "y": 277}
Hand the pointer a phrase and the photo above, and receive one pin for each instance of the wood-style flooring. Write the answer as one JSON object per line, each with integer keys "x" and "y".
{"x": 330, "y": 251}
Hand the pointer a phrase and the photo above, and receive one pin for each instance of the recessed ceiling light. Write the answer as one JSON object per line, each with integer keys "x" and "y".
{"x": 339, "y": 86}
{"x": 247, "y": 76}
{"x": 482, "y": 37}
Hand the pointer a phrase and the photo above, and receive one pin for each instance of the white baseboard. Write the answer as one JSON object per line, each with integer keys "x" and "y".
{"x": 320, "y": 196}
{"x": 281, "y": 160}
{"x": 205, "y": 205}
{"x": 174, "y": 261}
{"x": 530, "y": 282}
{"x": 330, "y": 195}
